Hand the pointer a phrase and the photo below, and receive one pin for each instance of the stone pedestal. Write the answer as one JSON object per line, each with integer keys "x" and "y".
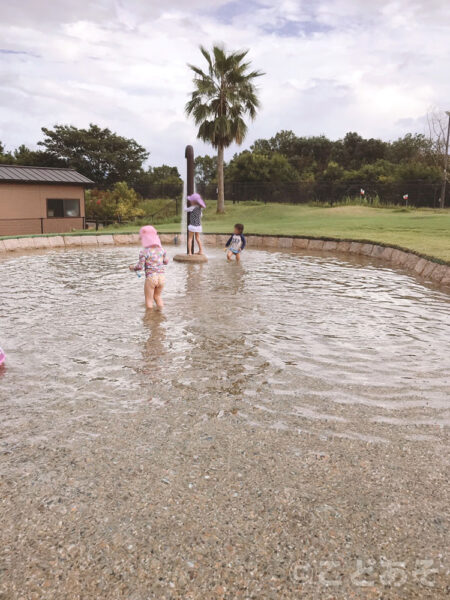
{"x": 190, "y": 258}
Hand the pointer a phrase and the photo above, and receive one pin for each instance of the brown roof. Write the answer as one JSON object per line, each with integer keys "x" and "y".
{"x": 19, "y": 174}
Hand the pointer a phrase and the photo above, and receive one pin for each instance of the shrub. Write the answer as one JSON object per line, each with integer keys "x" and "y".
{"x": 120, "y": 203}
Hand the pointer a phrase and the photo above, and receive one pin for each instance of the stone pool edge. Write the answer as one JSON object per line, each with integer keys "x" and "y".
{"x": 421, "y": 265}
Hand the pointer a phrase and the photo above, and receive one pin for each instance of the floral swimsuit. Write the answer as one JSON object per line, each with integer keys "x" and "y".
{"x": 153, "y": 260}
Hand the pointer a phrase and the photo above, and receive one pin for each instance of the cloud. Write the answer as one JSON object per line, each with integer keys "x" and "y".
{"x": 16, "y": 52}
{"x": 331, "y": 66}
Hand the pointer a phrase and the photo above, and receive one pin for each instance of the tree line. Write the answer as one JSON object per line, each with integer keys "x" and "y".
{"x": 288, "y": 158}
{"x": 108, "y": 158}
{"x": 299, "y": 169}
{"x": 269, "y": 170}
{"x": 100, "y": 154}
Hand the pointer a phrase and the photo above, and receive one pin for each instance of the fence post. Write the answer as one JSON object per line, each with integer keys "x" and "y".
{"x": 42, "y": 224}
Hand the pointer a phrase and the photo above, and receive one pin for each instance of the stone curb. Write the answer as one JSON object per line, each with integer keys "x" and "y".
{"x": 419, "y": 265}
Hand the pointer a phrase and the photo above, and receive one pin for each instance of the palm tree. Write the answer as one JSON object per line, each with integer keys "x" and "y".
{"x": 222, "y": 98}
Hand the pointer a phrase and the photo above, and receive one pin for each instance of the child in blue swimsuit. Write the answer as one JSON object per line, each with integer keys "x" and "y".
{"x": 236, "y": 243}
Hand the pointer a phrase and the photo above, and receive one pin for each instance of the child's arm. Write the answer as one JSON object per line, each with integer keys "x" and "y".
{"x": 140, "y": 263}
{"x": 189, "y": 208}
{"x": 229, "y": 241}
{"x": 244, "y": 243}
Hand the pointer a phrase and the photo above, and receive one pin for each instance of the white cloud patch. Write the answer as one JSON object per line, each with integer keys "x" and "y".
{"x": 331, "y": 66}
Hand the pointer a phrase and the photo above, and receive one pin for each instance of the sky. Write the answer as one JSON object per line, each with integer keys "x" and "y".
{"x": 331, "y": 66}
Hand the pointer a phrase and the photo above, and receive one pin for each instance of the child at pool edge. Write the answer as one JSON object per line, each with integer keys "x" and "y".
{"x": 195, "y": 221}
{"x": 152, "y": 259}
{"x": 236, "y": 243}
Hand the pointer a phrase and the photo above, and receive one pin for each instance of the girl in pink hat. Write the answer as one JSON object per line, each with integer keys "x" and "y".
{"x": 195, "y": 221}
{"x": 152, "y": 260}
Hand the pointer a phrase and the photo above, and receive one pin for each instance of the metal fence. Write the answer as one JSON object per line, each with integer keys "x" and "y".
{"x": 410, "y": 193}
{"x": 162, "y": 190}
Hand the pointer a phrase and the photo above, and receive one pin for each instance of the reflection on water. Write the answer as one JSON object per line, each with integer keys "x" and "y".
{"x": 300, "y": 342}
{"x": 153, "y": 355}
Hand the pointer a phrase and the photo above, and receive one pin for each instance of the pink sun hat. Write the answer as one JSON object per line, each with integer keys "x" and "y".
{"x": 149, "y": 236}
{"x": 196, "y": 199}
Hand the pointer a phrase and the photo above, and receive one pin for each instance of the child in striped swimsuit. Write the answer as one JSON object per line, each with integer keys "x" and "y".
{"x": 195, "y": 221}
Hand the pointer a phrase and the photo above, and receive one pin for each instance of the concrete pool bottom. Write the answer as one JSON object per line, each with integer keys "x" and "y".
{"x": 220, "y": 486}
{"x": 135, "y": 515}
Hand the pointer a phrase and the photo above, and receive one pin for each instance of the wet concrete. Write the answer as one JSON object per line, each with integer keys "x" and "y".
{"x": 281, "y": 431}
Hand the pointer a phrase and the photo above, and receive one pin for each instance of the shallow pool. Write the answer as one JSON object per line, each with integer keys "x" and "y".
{"x": 284, "y": 355}
{"x": 294, "y": 335}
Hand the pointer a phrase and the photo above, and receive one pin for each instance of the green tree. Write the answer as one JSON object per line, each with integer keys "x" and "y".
{"x": 250, "y": 167}
{"x": 159, "y": 182}
{"x": 37, "y": 158}
{"x": 121, "y": 203}
{"x": 411, "y": 148}
{"x": 206, "y": 169}
{"x": 354, "y": 151}
{"x": 380, "y": 170}
{"x": 6, "y": 158}
{"x": 283, "y": 142}
{"x": 100, "y": 154}
{"x": 221, "y": 100}
{"x": 306, "y": 154}
{"x": 259, "y": 176}
{"x": 164, "y": 172}
{"x": 332, "y": 173}
{"x": 418, "y": 171}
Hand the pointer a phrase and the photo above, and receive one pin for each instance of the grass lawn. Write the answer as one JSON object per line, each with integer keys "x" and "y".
{"x": 423, "y": 230}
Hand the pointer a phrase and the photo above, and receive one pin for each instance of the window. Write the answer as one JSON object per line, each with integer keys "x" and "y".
{"x": 66, "y": 207}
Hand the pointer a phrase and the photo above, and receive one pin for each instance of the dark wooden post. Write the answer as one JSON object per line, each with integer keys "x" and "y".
{"x": 189, "y": 155}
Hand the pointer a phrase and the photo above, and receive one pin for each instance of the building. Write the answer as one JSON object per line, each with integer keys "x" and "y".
{"x": 41, "y": 200}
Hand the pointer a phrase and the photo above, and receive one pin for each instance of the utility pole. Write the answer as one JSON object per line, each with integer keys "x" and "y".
{"x": 444, "y": 181}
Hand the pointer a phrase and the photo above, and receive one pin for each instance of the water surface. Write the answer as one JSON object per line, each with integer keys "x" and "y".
{"x": 295, "y": 336}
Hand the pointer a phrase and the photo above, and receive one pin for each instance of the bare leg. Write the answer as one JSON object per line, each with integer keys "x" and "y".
{"x": 190, "y": 237}
{"x": 149, "y": 291}
{"x": 199, "y": 242}
{"x": 229, "y": 255}
{"x": 158, "y": 299}
{"x": 238, "y": 257}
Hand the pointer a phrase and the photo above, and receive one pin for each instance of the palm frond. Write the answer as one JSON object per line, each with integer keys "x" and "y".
{"x": 223, "y": 96}
{"x": 239, "y": 55}
{"x": 207, "y": 56}
{"x": 255, "y": 74}
{"x": 196, "y": 70}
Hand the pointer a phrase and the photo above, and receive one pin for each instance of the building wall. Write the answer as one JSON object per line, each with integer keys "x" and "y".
{"x": 20, "y": 226}
{"x": 62, "y": 225}
{"x": 23, "y": 208}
